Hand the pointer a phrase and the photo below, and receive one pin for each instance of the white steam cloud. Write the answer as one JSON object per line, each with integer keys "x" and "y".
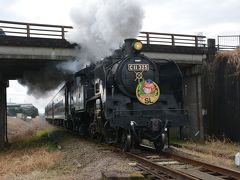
{"x": 100, "y": 26}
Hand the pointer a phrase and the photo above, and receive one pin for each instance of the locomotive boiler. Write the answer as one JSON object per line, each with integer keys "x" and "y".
{"x": 122, "y": 99}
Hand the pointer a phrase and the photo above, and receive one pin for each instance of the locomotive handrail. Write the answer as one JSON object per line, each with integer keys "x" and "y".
{"x": 13, "y": 28}
{"x": 172, "y": 39}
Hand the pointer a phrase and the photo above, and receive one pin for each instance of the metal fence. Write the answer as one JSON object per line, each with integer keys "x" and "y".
{"x": 172, "y": 39}
{"x": 229, "y": 42}
{"x": 11, "y": 28}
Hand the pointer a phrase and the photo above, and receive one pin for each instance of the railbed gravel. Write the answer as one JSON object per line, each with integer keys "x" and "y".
{"x": 84, "y": 159}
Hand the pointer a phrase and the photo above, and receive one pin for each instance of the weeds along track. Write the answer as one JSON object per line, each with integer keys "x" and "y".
{"x": 171, "y": 166}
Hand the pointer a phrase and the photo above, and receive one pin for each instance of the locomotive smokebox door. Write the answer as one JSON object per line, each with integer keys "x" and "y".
{"x": 132, "y": 70}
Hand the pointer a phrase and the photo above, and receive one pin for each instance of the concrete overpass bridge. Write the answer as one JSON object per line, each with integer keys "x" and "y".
{"x": 30, "y": 46}
{"x": 26, "y": 46}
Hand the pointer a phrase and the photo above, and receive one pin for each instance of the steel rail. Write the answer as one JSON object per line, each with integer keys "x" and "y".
{"x": 168, "y": 171}
{"x": 161, "y": 175}
{"x": 213, "y": 168}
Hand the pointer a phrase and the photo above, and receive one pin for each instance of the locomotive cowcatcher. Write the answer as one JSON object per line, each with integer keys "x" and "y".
{"x": 122, "y": 99}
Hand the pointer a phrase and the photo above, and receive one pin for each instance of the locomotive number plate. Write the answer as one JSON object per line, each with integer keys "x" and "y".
{"x": 138, "y": 67}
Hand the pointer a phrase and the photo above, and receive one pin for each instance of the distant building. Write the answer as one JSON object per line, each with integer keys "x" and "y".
{"x": 21, "y": 116}
{"x": 26, "y": 109}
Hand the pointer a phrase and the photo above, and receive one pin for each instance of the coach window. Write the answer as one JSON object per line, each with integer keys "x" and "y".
{"x": 79, "y": 91}
{"x": 97, "y": 87}
{"x": 78, "y": 79}
{"x": 98, "y": 103}
{"x": 185, "y": 90}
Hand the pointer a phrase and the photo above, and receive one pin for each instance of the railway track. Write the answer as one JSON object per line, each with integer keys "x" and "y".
{"x": 172, "y": 166}
{"x": 167, "y": 165}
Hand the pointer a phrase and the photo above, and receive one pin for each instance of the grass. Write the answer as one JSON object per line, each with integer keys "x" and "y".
{"x": 39, "y": 139}
{"x": 37, "y": 153}
{"x": 220, "y": 148}
{"x": 219, "y": 151}
{"x": 28, "y": 160}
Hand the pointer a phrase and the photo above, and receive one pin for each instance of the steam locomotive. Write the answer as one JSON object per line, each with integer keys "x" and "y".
{"x": 122, "y": 99}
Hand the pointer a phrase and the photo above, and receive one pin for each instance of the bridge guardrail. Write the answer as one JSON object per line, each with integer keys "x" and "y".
{"x": 11, "y": 28}
{"x": 228, "y": 42}
{"x": 172, "y": 39}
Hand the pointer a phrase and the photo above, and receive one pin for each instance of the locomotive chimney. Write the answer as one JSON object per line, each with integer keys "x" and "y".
{"x": 128, "y": 46}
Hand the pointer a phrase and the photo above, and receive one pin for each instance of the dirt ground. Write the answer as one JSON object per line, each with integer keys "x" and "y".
{"x": 86, "y": 160}
{"x": 38, "y": 150}
{"x": 74, "y": 158}
{"x": 19, "y": 129}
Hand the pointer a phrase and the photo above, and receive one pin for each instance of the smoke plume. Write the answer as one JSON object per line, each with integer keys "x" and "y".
{"x": 39, "y": 82}
{"x": 100, "y": 26}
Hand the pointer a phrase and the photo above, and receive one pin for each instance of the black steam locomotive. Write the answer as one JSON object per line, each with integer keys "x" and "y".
{"x": 123, "y": 99}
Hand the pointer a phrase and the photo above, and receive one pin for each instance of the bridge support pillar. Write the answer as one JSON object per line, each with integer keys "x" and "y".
{"x": 211, "y": 50}
{"x": 3, "y": 112}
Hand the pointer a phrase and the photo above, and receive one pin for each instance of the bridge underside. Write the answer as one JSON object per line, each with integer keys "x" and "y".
{"x": 182, "y": 55}
{"x": 22, "y": 54}
{"x": 15, "y": 68}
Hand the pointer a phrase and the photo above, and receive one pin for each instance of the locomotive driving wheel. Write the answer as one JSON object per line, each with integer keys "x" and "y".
{"x": 92, "y": 131}
{"x": 126, "y": 140}
{"x": 100, "y": 138}
{"x": 159, "y": 145}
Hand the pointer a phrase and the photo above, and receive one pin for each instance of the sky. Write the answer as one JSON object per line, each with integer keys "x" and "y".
{"x": 207, "y": 17}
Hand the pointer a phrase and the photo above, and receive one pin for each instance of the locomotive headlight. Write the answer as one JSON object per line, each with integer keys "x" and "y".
{"x": 137, "y": 45}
